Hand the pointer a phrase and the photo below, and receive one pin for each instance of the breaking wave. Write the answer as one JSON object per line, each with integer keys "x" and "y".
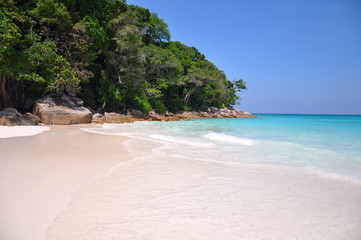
{"x": 229, "y": 139}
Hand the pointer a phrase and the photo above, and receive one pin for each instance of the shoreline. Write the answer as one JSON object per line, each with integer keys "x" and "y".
{"x": 71, "y": 193}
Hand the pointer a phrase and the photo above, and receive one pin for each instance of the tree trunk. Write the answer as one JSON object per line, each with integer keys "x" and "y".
{"x": 188, "y": 95}
{"x": 4, "y": 101}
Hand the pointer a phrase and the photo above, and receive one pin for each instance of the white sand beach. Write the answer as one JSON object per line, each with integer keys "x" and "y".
{"x": 21, "y": 131}
{"x": 39, "y": 173}
{"x": 67, "y": 184}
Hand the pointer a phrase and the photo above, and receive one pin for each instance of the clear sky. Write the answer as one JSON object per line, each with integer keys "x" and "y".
{"x": 296, "y": 56}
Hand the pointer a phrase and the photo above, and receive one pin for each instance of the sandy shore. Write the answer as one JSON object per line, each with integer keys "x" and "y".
{"x": 23, "y": 131}
{"x": 67, "y": 184}
{"x": 39, "y": 173}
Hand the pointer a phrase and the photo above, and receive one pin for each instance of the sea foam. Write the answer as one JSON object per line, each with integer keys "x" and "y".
{"x": 187, "y": 141}
{"x": 229, "y": 139}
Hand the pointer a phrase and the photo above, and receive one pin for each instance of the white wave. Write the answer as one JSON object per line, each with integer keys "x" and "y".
{"x": 333, "y": 175}
{"x": 181, "y": 140}
{"x": 229, "y": 139}
{"x": 105, "y": 131}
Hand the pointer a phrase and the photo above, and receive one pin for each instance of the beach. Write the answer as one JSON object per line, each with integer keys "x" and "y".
{"x": 106, "y": 182}
{"x": 40, "y": 173}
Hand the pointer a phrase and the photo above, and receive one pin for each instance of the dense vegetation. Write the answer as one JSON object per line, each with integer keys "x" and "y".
{"x": 105, "y": 51}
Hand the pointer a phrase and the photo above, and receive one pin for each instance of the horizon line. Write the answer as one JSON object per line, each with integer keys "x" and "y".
{"x": 340, "y": 114}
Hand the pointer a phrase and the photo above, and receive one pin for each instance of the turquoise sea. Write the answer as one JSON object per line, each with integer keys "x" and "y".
{"x": 329, "y": 145}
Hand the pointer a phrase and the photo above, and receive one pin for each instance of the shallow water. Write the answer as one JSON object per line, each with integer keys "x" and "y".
{"x": 327, "y": 144}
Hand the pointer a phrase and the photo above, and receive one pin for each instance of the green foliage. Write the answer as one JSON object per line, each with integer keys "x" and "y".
{"x": 100, "y": 42}
{"x": 10, "y": 35}
{"x": 41, "y": 64}
{"x": 119, "y": 54}
{"x": 51, "y": 14}
{"x": 109, "y": 93}
{"x": 188, "y": 56}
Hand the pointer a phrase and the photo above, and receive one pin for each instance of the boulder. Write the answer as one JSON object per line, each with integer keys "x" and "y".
{"x": 156, "y": 117}
{"x": 11, "y": 117}
{"x": 213, "y": 109}
{"x": 189, "y": 115}
{"x": 113, "y": 117}
{"x": 168, "y": 114}
{"x": 205, "y": 114}
{"x": 136, "y": 113}
{"x": 98, "y": 118}
{"x": 225, "y": 114}
{"x": 61, "y": 110}
{"x": 234, "y": 112}
{"x": 30, "y": 119}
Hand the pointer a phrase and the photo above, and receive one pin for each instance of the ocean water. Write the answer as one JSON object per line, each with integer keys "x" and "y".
{"x": 329, "y": 145}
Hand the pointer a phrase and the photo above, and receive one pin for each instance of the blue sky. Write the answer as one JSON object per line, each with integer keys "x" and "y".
{"x": 296, "y": 56}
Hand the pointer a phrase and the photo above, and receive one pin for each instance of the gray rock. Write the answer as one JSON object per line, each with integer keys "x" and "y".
{"x": 98, "y": 118}
{"x": 30, "y": 119}
{"x": 136, "y": 113}
{"x": 11, "y": 117}
{"x": 61, "y": 110}
{"x": 214, "y": 109}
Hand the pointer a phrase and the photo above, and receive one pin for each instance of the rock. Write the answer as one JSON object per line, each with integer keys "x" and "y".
{"x": 156, "y": 117}
{"x": 246, "y": 115}
{"x": 11, "y": 117}
{"x": 136, "y": 113}
{"x": 240, "y": 114}
{"x": 61, "y": 110}
{"x": 173, "y": 118}
{"x": 189, "y": 115}
{"x": 30, "y": 119}
{"x": 117, "y": 118}
{"x": 205, "y": 114}
{"x": 213, "y": 109}
{"x": 91, "y": 110}
{"x": 152, "y": 113}
{"x": 98, "y": 118}
{"x": 225, "y": 114}
{"x": 168, "y": 114}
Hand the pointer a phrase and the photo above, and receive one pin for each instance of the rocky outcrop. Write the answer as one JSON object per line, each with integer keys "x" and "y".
{"x": 61, "y": 110}
{"x": 113, "y": 117}
{"x": 117, "y": 118}
{"x": 214, "y": 113}
{"x": 65, "y": 110}
{"x": 153, "y": 116}
{"x": 11, "y": 117}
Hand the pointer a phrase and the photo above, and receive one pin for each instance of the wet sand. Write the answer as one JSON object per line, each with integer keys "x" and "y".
{"x": 68, "y": 184}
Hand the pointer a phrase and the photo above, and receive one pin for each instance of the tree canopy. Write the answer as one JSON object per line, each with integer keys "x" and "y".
{"x": 105, "y": 51}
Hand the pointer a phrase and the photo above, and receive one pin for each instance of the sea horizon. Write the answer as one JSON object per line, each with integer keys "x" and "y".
{"x": 327, "y": 114}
